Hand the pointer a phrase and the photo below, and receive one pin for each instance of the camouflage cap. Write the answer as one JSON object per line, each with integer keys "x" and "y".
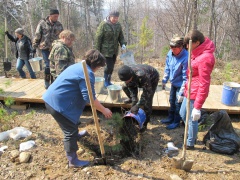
{"x": 176, "y": 40}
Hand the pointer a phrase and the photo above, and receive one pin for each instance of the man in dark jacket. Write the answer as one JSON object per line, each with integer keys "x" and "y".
{"x": 47, "y": 31}
{"x": 108, "y": 37}
{"x": 23, "y": 50}
{"x": 139, "y": 76}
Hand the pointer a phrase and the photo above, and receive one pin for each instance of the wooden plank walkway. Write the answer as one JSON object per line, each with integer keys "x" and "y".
{"x": 31, "y": 91}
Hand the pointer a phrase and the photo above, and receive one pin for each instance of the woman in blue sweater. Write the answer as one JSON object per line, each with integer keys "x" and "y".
{"x": 175, "y": 72}
{"x": 66, "y": 98}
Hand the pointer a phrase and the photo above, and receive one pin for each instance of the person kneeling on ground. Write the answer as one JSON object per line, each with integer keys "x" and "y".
{"x": 66, "y": 98}
{"x": 139, "y": 76}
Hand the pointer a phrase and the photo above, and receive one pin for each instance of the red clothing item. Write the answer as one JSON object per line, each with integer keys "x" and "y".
{"x": 202, "y": 62}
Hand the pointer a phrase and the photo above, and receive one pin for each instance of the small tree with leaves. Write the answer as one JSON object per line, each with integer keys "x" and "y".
{"x": 146, "y": 35}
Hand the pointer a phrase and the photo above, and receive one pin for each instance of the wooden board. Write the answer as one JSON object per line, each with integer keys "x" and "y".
{"x": 31, "y": 90}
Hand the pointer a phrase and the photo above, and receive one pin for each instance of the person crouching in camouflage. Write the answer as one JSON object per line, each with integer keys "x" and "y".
{"x": 61, "y": 55}
{"x": 139, "y": 76}
{"x": 47, "y": 31}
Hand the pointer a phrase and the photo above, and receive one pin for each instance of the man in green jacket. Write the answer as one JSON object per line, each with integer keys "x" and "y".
{"x": 108, "y": 37}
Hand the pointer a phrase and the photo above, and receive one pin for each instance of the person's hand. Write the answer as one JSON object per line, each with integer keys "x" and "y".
{"x": 31, "y": 55}
{"x": 124, "y": 47}
{"x": 180, "y": 98}
{"x": 34, "y": 51}
{"x": 134, "y": 109}
{"x": 196, "y": 114}
{"x": 6, "y": 32}
{"x": 163, "y": 86}
{"x": 107, "y": 113}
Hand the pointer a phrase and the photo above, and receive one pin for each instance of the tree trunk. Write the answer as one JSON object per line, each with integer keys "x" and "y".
{"x": 211, "y": 19}
{"x": 125, "y": 12}
{"x": 195, "y": 13}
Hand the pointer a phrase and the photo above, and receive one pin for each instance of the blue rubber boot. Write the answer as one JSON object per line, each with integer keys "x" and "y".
{"x": 109, "y": 79}
{"x": 173, "y": 126}
{"x": 106, "y": 83}
{"x": 74, "y": 162}
{"x": 176, "y": 122}
{"x": 170, "y": 118}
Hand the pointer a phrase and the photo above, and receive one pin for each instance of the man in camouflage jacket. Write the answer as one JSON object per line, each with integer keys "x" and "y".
{"x": 139, "y": 76}
{"x": 61, "y": 55}
{"x": 47, "y": 31}
{"x": 108, "y": 37}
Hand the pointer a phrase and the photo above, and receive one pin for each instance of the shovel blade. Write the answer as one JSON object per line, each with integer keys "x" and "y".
{"x": 187, "y": 165}
{"x": 178, "y": 162}
{"x": 7, "y": 66}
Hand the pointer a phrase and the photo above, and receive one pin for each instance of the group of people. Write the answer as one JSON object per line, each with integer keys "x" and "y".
{"x": 67, "y": 95}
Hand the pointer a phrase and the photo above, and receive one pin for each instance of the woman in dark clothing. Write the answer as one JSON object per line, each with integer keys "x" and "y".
{"x": 23, "y": 50}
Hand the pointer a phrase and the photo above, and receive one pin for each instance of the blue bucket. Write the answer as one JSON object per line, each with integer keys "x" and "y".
{"x": 230, "y": 93}
{"x": 140, "y": 117}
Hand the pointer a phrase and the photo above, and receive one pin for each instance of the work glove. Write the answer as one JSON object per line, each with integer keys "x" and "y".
{"x": 180, "y": 98}
{"x": 196, "y": 114}
{"x": 163, "y": 86}
{"x": 134, "y": 109}
{"x": 124, "y": 47}
{"x": 6, "y": 32}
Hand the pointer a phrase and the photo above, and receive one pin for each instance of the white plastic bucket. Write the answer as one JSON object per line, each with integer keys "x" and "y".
{"x": 99, "y": 85}
{"x": 127, "y": 58}
{"x": 36, "y": 64}
{"x": 114, "y": 91}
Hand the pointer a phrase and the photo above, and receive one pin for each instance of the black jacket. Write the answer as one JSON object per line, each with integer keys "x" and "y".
{"x": 27, "y": 44}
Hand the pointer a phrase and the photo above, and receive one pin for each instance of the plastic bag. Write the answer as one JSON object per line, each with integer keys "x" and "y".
{"x": 221, "y": 137}
{"x": 19, "y": 132}
{"x": 128, "y": 58}
{"x": 15, "y": 133}
{"x": 26, "y": 145}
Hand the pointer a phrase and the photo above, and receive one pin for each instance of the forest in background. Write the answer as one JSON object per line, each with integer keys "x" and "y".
{"x": 148, "y": 24}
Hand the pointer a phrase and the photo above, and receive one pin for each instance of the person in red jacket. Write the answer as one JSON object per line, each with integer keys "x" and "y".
{"x": 202, "y": 62}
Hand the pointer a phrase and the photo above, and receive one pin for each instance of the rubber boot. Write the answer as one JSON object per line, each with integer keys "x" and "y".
{"x": 74, "y": 162}
{"x": 106, "y": 84}
{"x": 176, "y": 122}
{"x": 109, "y": 79}
{"x": 170, "y": 118}
{"x": 47, "y": 79}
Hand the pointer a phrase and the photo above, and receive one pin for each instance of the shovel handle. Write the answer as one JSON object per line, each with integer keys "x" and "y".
{"x": 188, "y": 100}
{"x": 6, "y": 47}
{"x": 89, "y": 88}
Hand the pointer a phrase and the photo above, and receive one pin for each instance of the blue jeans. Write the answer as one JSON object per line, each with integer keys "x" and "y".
{"x": 174, "y": 105}
{"x": 192, "y": 125}
{"x": 20, "y": 64}
{"x": 45, "y": 54}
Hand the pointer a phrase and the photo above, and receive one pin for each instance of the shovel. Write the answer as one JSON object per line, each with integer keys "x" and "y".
{"x": 182, "y": 163}
{"x": 6, "y": 64}
{"x": 103, "y": 160}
